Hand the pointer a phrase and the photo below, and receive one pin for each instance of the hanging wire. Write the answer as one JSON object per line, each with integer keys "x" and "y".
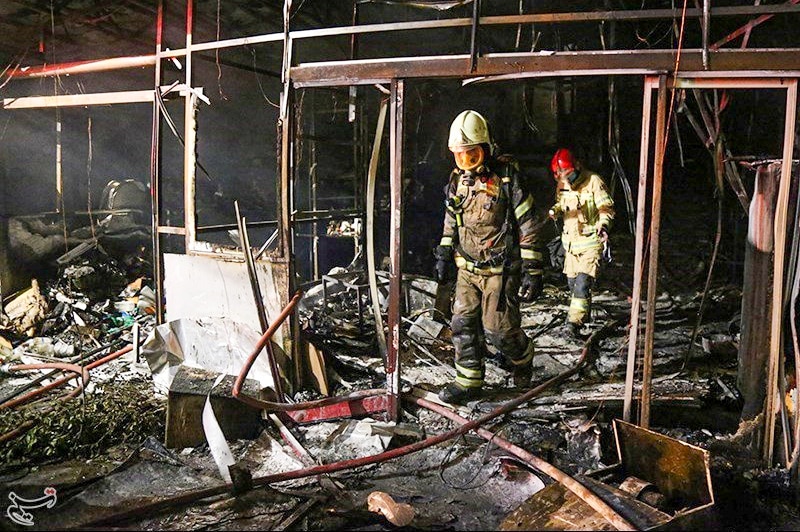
{"x": 89, "y": 179}
{"x": 258, "y": 80}
{"x": 216, "y": 54}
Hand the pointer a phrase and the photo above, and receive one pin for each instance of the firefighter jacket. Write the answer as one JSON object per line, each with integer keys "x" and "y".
{"x": 489, "y": 219}
{"x": 585, "y": 207}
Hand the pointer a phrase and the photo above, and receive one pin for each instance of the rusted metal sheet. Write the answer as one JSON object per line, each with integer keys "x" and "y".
{"x": 679, "y": 470}
{"x": 539, "y": 64}
{"x": 350, "y": 409}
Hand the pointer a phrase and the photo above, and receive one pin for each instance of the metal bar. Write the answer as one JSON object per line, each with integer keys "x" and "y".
{"x": 652, "y": 269}
{"x": 167, "y": 230}
{"x": 781, "y": 214}
{"x": 369, "y": 71}
{"x": 473, "y": 39}
{"x": 244, "y": 243}
{"x": 372, "y": 175}
{"x": 638, "y": 262}
{"x": 72, "y": 100}
{"x": 286, "y": 120}
{"x": 705, "y": 28}
{"x": 244, "y": 240}
{"x": 342, "y": 408}
{"x": 106, "y": 98}
{"x": 781, "y": 81}
{"x": 395, "y": 245}
{"x": 155, "y": 171}
{"x": 190, "y": 141}
{"x": 84, "y": 67}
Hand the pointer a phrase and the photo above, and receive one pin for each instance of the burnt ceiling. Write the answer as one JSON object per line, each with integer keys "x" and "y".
{"x": 46, "y": 31}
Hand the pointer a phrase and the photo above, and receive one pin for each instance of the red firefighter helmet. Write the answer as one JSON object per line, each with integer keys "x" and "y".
{"x": 562, "y": 160}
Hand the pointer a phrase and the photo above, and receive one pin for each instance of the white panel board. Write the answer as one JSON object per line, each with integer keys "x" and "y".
{"x": 198, "y": 286}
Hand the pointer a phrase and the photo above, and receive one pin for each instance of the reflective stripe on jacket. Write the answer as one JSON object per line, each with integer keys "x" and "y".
{"x": 476, "y": 218}
{"x": 584, "y": 207}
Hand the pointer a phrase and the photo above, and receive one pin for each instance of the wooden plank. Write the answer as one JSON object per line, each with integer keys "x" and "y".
{"x": 316, "y": 363}
{"x": 756, "y": 292}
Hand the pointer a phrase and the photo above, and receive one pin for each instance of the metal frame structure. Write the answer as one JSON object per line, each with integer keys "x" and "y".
{"x": 707, "y": 67}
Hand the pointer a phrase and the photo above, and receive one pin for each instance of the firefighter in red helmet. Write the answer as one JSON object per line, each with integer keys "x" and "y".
{"x": 489, "y": 233}
{"x": 587, "y": 211}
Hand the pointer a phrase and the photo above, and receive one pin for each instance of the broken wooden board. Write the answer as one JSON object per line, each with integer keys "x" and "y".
{"x": 555, "y": 508}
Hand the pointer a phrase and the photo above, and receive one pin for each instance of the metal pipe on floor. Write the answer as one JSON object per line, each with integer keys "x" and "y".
{"x": 55, "y": 384}
{"x": 586, "y": 495}
{"x": 196, "y": 495}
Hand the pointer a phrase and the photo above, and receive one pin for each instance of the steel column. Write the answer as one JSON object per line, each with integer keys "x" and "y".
{"x": 395, "y": 245}
{"x": 638, "y": 261}
{"x": 652, "y": 269}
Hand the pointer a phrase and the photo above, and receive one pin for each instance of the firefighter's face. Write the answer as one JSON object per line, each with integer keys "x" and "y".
{"x": 567, "y": 174}
{"x": 468, "y": 157}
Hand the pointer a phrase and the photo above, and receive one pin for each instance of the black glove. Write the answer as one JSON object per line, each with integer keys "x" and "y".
{"x": 602, "y": 233}
{"x": 532, "y": 287}
{"x": 443, "y": 271}
{"x": 532, "y": 281}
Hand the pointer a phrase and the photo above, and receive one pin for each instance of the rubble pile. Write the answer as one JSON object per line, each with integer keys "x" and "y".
{"x": 93, "y": 307}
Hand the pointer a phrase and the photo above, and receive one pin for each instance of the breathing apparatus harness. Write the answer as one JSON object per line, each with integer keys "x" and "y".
{"x": 505, "y": 258}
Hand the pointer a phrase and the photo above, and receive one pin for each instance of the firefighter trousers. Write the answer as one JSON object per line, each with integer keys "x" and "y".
{"x": 581, "y": 271}
{"x": 476, "y": 318}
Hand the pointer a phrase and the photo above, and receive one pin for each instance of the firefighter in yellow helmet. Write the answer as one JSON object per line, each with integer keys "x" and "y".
{"x": 587, "y": 210}
{"x": 489, "y": 234}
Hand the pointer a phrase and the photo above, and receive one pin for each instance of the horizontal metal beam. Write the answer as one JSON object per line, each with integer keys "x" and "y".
{"x": 723, "y": 82}
{"x": 543, "y": 64}
{"x": 531, "y": 18}
{"x": 99, "y": 98}
{"x": 83, "y": 67}
{"x": 632, "y": 15}
{"x": 71, "y": 100}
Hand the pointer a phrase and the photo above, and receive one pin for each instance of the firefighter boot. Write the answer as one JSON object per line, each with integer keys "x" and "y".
{"x": 523, "y": 373}
{"x": 575, "y": 330}
{"x": 456, "y": 395}
{"x": 522, "y": 376}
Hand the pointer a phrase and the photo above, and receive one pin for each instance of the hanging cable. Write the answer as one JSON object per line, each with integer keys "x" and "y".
{"x": 216, "y": 55}
{"x": 89, "y": 179}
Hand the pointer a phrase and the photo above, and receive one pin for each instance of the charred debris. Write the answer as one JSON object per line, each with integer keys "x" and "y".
{"x": 100, "y": 440}
{"x": 252, "y": 340}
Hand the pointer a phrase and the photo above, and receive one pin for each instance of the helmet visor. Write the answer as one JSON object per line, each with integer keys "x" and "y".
{"x": 468, "y": 157}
